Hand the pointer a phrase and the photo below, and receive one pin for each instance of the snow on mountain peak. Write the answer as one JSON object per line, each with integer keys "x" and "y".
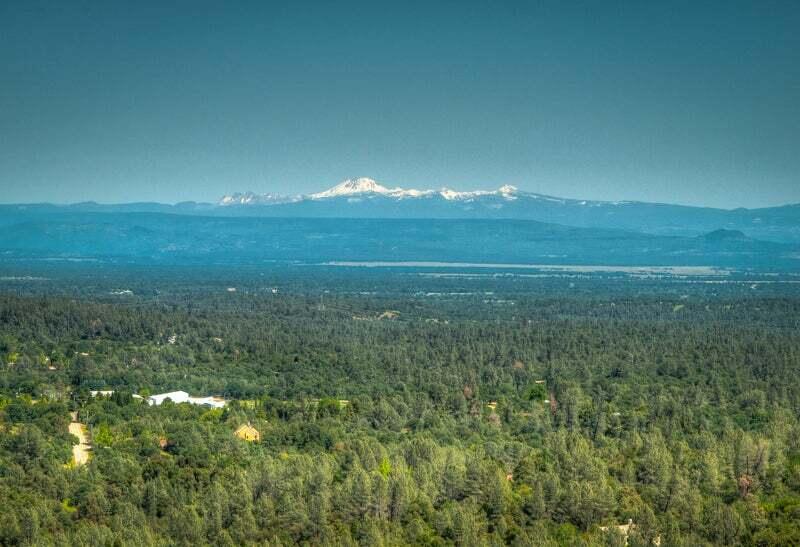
{"x": 357, "y": 187}
{"x": 250, "y": 198}
{"x": 507, "y": 189}
{"x": 238, "y": 198}
{"x": 508, "y": 192}
{"x": 361, "y": 185}
{"x": 450, "y": 194}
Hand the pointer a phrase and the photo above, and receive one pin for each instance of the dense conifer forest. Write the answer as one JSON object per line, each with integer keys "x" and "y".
{"x": 398, "y": 408}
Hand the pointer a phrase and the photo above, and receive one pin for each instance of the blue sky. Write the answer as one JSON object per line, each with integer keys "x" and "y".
{"x": 687, "y": 102}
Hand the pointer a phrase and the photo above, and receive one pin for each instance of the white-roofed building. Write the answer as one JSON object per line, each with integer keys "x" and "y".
{"x": 183, "y": 397}
{"x": 174, "y": 396}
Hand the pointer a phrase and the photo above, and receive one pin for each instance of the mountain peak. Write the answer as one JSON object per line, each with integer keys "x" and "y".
{"x": 507, "y": 189}
{"x": 361, "y": 185}
{"x": 508, "y": 192}
{"x": 365, "y": 185}
{"x": 239, "y": 198}
{"x": 251, "y": 198}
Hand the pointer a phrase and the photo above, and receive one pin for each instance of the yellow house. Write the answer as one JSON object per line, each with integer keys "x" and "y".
{"x": 248, "y": 433}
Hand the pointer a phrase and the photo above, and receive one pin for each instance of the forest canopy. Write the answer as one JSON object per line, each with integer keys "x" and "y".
{"x": 483, "y": 412}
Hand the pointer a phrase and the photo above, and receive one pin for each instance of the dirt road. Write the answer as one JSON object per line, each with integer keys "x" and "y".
{"x": 80, "y": 451}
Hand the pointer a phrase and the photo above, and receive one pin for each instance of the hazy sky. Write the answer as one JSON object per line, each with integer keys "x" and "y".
{"x": 689, "y": 102}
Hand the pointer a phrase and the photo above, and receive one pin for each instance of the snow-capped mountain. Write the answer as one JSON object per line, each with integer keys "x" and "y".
{"x": 366, "y": 198}
{"x": 350, "y": 187}
{"x": 250, "y": 198}
{"x": 367, "y": 187}
{"x": 507, "y": 192}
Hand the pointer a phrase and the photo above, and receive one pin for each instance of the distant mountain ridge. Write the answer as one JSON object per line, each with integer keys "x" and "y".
{"x": 193, "y": 239}
{"x": 361, "y": 219}
{"x": 365, "y": 187}
{"x": 368, "y": 199}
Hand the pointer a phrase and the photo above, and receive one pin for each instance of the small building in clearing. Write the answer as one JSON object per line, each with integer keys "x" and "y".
{"x": 174, "y": 396}
{"x": 248, "y": 433}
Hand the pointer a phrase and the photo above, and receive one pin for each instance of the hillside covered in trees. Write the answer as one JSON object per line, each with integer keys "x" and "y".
{"x": 468, "y": 411}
